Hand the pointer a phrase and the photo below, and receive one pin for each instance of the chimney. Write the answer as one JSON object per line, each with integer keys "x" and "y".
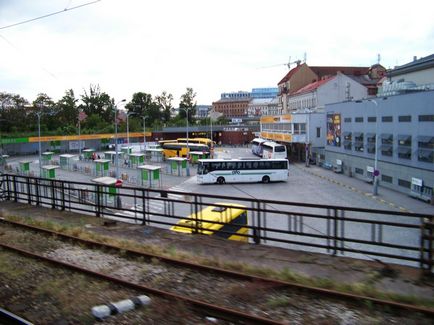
{"x": 414, "y": 58}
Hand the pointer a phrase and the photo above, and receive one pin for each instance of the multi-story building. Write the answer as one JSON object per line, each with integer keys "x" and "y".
{"x": 303, "y": 75}
{"x": 394, "y": 133}
{"x": 264, "y": 92}
{"x": 332, "y": 89}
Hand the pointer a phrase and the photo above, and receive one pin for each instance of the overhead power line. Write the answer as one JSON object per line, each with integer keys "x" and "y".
{"x": 48, "y": 15}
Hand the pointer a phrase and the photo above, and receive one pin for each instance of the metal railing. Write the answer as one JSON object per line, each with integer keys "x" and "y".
{"x": 397, "y": 237}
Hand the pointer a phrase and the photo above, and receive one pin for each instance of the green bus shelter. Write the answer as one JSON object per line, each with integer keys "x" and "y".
{"x": 66, "y": 161}
{"x": 196, "y": 155}
{"x": 126, "y": 151}
{"x": 178, "y": 166}
{"x": 150, "y": 175}
{"x": 111, "y": 155}
{"x": 87, "y": 153}
{"x": 101, "y": 167}
{"x": 109, "y": 191}
{"x": 155, "y": 154}
{"x": 25, "y": 167}
{"x": 136, "y": 159}
{"x": 49, "y": 171}
{"x": 47, "y": 156}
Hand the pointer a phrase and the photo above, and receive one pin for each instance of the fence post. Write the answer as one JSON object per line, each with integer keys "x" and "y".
{"x": 97, "y": 201}
{"x": 8, "y": 189}
{"x": 257, "y": 230}
{"x": 37, "y": 190}
{"x": 335, "y": 231}
{"x": 426, "y": 245}
{"x": 14, "y": 181}
{"x": 53, "y": 195}
{"x": 62, "y": 187}
{"x": 29, "y": 199}
{"x": 143, "y": 208}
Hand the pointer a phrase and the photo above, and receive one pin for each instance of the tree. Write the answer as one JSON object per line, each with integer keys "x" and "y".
{"x": 99, "y": 103}
{"x": 188, "y": 104}
{"x": 67, "y": 112}
{"x": 13, "y": 113}
{"x": 142, "y": 104}
{"x": 44, "y": 104}
{"x": 165, "y": 103}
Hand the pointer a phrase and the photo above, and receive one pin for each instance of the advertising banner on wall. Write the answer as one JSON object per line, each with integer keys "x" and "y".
{"x": 334, "y": 129}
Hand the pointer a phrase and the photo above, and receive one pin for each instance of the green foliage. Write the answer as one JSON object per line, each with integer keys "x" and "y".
{"x": 188, "y": 104}
{"x": 19, "y": 118}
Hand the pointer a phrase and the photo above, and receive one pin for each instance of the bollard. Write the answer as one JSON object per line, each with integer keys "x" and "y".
{"x": 122, "y": 306}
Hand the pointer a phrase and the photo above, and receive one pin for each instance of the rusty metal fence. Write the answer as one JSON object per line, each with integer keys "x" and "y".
{"x": 387, "y": 236}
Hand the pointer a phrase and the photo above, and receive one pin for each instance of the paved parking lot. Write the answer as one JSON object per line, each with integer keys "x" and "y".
{"x": 305, "y": 184}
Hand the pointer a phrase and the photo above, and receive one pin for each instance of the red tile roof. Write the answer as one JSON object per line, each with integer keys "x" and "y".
{"x": 312, "y": 86}
{"x": 290, "y": 74}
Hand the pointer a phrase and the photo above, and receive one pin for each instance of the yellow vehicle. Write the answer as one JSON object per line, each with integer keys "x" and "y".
{"x": 233, "y": 219}
{"x": 206, "y": 141}
{"x": 179, "y": 149}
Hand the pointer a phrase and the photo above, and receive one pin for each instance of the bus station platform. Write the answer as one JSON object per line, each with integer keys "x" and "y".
{"x": 392, "y": 278}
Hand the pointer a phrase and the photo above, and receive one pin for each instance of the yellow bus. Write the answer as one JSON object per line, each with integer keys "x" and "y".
{"x": 233, "y": 219}
{"x": 179, "y": 149}
{"x": 206, "y": 141}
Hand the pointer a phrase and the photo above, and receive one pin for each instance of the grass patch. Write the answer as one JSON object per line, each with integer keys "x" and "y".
{"x": 366, "y": 288}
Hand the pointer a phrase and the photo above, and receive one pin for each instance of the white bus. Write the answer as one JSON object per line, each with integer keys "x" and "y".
{"x": 222, "y": 171}
{"x": 273, "y": 150}
{"x": 257, "y": 146}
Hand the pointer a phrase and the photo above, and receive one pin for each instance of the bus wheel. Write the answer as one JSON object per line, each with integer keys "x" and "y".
{"x": 221, "y": 180}
{"x": 265, "y": 179}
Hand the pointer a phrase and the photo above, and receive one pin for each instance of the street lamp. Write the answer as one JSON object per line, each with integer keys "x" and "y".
{"x": 376, "y": 172}
{"x": 144, "y": 133}
{"x": 38, "y": 114}
{"x": 128, "y": 128}
{"x": 116, "y": 138}
{"x": 188, "y": 149}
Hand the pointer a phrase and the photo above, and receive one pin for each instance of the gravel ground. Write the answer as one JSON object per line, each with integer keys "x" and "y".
{"x": 255, "y": 298}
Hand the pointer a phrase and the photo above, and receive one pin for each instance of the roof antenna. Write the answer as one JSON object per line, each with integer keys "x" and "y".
{"x": 378, "y": 58}
{"x": 305, "y": 57}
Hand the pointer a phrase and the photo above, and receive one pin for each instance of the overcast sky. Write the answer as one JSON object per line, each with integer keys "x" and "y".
{"x": 127, "y": 46}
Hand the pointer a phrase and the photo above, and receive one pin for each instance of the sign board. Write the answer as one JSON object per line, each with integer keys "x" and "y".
{"x": 236, "y": 120}
{"x": 416, "y": 181}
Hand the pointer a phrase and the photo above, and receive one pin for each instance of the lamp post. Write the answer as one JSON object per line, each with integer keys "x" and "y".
{"x": 38, "y": 114}
{"x": 144, "y": 133}
{"x": 188, "y": 149}
{"x": 376, "y": 172}
{"x": 128, "y": 128}
{"x": 116, "y": 138}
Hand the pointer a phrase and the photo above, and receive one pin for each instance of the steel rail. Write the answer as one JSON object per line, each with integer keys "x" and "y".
{"x": 209, "y": 309}
{"x": 234, "y": 274}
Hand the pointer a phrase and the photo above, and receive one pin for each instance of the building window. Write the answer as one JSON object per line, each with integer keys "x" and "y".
{"x": 318, "y": 132}
{"x": 386, "y": 144}
{"x": 370, "y": 147}
{"x": 386, "y": 179}
{"x": 358, "y": 171}
{"x": 425, "y": 152}
{"x": 426, "y": 118}
{"x": 347, "y": 120}
{"x": 404, "y": 183}
{"x": 372, "y": 119}
{"x": 387, "y": 119}
{"x": 358, "y": 119}
{"x": 358, "y": 142}
{"x": 404, "y": 146}
{"x": 404, "y": 118}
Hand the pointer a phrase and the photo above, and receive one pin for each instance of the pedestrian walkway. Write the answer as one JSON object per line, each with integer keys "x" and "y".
{"x": 387, "y": 197}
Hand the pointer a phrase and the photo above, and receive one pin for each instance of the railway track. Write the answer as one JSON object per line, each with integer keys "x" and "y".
{"x": 260, "y": 284}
